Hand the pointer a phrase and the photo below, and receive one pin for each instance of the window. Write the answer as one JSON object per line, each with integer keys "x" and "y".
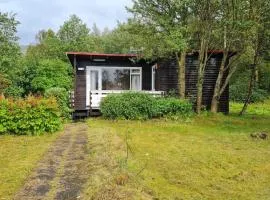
{"x": 154, "y": 67}
{"x": 94, "y": 79}
{"x": 213, "y": 61}
{"x": 115, "y": 79}
{"x": 112, "y": 78}
{"x": 135, "y": 71}
{"x": 135, "y": 79}
{"x": 135, "y": 82}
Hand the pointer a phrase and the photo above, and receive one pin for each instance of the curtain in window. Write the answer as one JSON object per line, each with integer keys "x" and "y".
{"x": 135, "y": 82}
{"x": 94, "y": 80}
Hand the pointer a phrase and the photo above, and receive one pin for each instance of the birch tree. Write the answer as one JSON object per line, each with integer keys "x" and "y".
{"x": 259, "y": 35}
{"x": 233, "y": 29}
{"x": 205, "y": 13}
{"x": 169, "y": 20}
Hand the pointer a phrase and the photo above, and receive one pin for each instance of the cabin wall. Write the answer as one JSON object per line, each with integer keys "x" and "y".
{"x": 80, "y": 89}
{"x": 146, "y": 77}
{"x": 167, "y": 79}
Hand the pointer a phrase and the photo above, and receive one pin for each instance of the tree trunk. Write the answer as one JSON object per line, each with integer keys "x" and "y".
{"x": 203, "y": 56}
{"x": 199, "y": 94}
{"x": 250, "y": 90}
{"x": 217, "y": 92}
{"x": 182, "y": 74}
{"x": 251, "y": 83}
{"x": 257, "y": 75}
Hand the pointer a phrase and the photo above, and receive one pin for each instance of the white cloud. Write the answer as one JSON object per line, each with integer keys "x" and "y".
{"x": 35, "y": 15}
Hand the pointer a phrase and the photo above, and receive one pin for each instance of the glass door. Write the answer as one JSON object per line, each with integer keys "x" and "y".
{"x": 94, "y": 82}
{"x": 136, "y": 79}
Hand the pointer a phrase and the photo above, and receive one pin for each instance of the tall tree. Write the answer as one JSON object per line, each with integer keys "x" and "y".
{"x": 169, "y": 21}
{"x": 204, "y": 13}
{"x": 75, "y": 35}
{"x": 48, "y": 46}
{"x": 259, "y": 36}
{"x": 233, "y": 27}
{"x": 4, "y": 83}
{"x": 9, "y": 48}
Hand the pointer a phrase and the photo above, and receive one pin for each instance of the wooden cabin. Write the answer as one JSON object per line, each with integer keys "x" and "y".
{"x": 97, "y": 75}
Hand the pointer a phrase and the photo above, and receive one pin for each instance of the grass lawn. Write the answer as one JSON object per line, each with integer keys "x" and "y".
{"x": 206, "y": 157}
{"x": 18, "y": 156}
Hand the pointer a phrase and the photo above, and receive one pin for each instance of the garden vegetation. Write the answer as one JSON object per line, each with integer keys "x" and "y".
{"x": 29, "y": 116}
{"x": 135, "y": 105}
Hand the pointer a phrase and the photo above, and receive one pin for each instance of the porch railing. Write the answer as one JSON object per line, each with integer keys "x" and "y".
{"x": 97, "y": 95}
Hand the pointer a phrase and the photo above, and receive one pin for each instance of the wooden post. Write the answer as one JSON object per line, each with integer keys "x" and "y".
{"x": 182, "y": 75}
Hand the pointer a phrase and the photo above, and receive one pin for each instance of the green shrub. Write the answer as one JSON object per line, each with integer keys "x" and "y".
{"x": 30, "y": 116}
{"x": 127, "y": 106}
{"x": 239, "y": 88}
{"x": 172, "y": 106}
{"x": 135, "y": 106}
{"x": 265, "y": 77}
{"x": 238, "y": 93}
{"x": 14, "y": 91}
{"x": 62, "y": 97}
{"x": 50, "y": 73}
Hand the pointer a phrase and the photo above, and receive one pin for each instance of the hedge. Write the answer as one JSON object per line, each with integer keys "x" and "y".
{"x": 30, "y": 116}
{"x": 134, "y": 105}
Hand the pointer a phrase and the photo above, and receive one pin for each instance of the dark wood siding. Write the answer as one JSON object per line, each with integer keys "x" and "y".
{"x": 146, "y": 77}
{"x": 80, "y": 90}
{"x": 167, "y": 75}
{"x": 167, "y": 79}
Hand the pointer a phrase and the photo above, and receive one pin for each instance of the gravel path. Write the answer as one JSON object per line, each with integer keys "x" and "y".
{"x": 62, "y": 172}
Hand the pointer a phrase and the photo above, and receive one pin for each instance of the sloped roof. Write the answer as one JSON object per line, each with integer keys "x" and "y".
{"x": 101, "y": 54}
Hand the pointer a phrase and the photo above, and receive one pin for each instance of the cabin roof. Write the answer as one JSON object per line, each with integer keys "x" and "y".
{"x": 88, "y": 55}
{"x": 106, "y": 55}
{"x": 124, "y": 57}
{"x": 101, "y": 54}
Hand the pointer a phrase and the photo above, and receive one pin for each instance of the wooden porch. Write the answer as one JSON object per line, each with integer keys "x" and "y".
{"x": 96, "y": 96}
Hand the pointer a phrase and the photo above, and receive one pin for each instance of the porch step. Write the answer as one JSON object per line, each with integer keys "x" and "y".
{"x": 95, "y": 113}
{"x": 80, "y": 114}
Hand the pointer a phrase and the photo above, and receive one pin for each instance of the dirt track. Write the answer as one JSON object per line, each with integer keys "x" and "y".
{"x": 62, "y": 172}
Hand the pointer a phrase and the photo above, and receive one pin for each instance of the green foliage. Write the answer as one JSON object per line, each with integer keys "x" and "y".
{"x": 73, "y": 29}
{"x": 31, "y": 116}
{"x": 128, "y": 106}
{"x": 9, "y": 48}
{"x": 134, "y": 106}
{"x": 239, "y": 91}
{"x": 161, "y": 25}
{"x": 51, "y": 73}
{"x": 172, "y": 107}
{"x": 4, "y": 83}
{"x": 62, "y": 97}
{"x": 264, "y": 79}
{"x": 75, "y": 35}
{"x": 49, "y": 46}
{"x": 240, "y": 81}
{"x": 14, "y": 91}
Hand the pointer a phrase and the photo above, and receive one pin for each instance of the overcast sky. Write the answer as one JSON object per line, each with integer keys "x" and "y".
{"x": 35, "y": 15}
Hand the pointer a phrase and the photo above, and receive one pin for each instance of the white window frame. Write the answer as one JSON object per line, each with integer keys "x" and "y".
{"x": 99, "y": 69}
{"x": 154, "y": 67}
